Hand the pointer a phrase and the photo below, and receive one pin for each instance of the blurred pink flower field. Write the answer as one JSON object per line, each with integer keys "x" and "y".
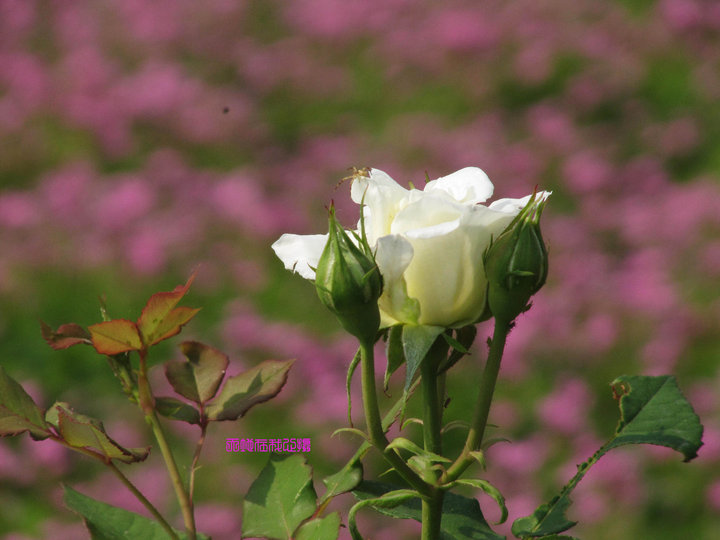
{"x": 140, "y": 139}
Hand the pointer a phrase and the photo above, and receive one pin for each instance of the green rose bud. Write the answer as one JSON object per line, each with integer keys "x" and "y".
{"x": 349, "y": 283}
{"x": 516, "y": 264}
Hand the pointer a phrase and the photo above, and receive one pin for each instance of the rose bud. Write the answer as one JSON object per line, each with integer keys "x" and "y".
{"x": 516, "y": 264}
{"x": 349, "y": 283}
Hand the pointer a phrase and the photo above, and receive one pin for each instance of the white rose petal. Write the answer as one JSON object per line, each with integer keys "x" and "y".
{"x": 469, "y": 185}
{"x": 381, "y": 196}
{"x": 446, "y": 276}
{"x": 393, "y": 254}
{"x": 300, "y": 253}
{"x": 429, "y": 215}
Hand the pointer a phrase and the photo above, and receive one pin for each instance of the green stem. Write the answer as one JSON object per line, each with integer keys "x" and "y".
{"x": 374, "y": 423}
{"x": 196, "y": 457}
{"x": 432, "y": 516}
{"x": 432, "y": 434}
{"x": 146, "y": 503}
{"x": 180, "y": 493}
{"x": 125, "y": 480}
{"x": 482, "y": 409}
{"x": 147, "y": 405}
{"x": 432, "y": 400}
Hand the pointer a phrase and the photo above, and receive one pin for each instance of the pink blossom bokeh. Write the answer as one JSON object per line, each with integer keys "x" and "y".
{"x": 138, "y": 139}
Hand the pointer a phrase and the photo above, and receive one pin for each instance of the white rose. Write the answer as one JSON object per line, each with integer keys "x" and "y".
{"x": 428, "y": 244}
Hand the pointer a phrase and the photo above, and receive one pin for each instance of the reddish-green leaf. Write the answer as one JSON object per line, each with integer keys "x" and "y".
{"x": 198, "y": 378}
{"x": 81, "y": 431}
{"x": 171, "y": 324}
{"x": 171, "y": 407}
{"x": 152, "y": 322}
{"x": 247, "y": 389}
{"x": 18, "y": 411}
{"x": 115, "y": 337}
{"x": 65, "y": 336}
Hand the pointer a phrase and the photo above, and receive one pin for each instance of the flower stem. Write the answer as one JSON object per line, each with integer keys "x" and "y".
{"x": 146, "y": 503}
{"x": 180, "y": 493}
{"x": 432, "y": 400}
{"x": 432, "y": 434}
{"x": 482, "y": 408}
{"x": 374, "y": 423}
{"x": 147, "y": 405}
{"x": 124, "y": 479}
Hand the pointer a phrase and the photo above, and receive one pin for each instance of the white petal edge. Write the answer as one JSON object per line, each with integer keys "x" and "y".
{"x": 513, "y": 206}
{"x": 468, "y": 186}
{"x": 300, "y": 252}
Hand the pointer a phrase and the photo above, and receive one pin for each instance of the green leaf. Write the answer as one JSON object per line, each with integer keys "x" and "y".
{"x": 462, "y": 518}
{"x": 428, "y": 470}
{"x": 354, "y": 431}
{"x": 387, "y": 501}
{"x": 279, "y": 499}
{"x": 394, "y": 353}
{"x": 461, "y": 345}
{"x": 198, "y": 378}
{"x": 406, "y": 444}
{"x": 547, "y": 519}
{"x": 171, "y": 407}
{"x": 106, "y": 522}
{"x": 416, "y": 342}
{"x": 52, "y": 415}
{"x": 455, "y": 424}
{"x": 346, "y": 479}
{"x": 327, "y": 528}
{"x": 160, "y": 319}
{"x": 115, "y": 337}
{"x": 18, "y": 411}
{"x": 348, "y": 383}
{"x": 80, "y": 431}
{"x": 254, "y": 386}
{"x": 479, "y": 456}
{"x": 652, "y": 411}
{"x": 491, "y": 490}
{"x": 65, "y": 336}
